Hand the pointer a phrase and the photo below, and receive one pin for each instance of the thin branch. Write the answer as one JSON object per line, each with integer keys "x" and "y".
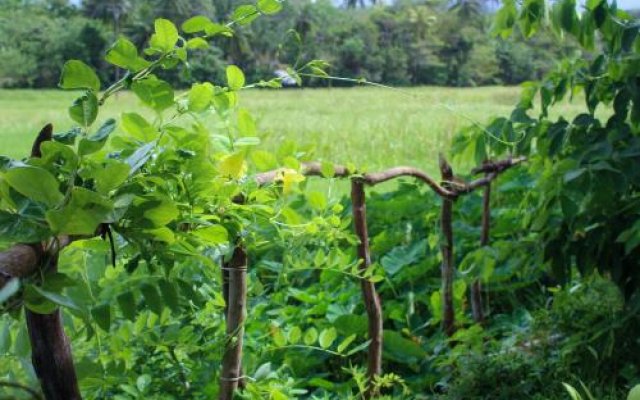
{"x": 20, "y": 386}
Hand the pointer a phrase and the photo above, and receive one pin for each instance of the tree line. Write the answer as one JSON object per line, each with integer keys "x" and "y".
{"x": 408, "y": 42}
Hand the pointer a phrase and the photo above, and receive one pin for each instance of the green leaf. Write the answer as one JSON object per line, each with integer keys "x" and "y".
{"x": 84, "y": 109}
{"x": 244, "y": 14}
{"x": 264, "y": 160}
{"x": 124, "y": 54}
{"x": 26, "y": 226}
{"x": 154, "y": 92}
{"x": 246, "y": 124}
{"x": 96, "y": 141}
{"x": 56, "y": 298}
{"x": 217, "y": 29}
{"x": 278, "y": 338}
{"x": 310, "y": 336}
{"x": 152, "y": 298}
{"x": 35, "y": 183}
{"x": 269, "y": 6}
{"x": 102, "y": 315}
{"x": 169, "y": 294}
{"x": 199, "y": 23}
{"x": 200, "y": 96}
{"x": 327, "y": 169}
{"x": 138, "y": 127}
{"x": 235, "y": 77}
{"x": 165, "y": 36}
{"x": 160, "y": 212}
{"x": 36, "y": 302}
{"x": 232, "y": 165}
{"x": 295, "y": 334}
{"x": 402, "y": 350}
{"x": 127, "y": 303}
{"x": 327, "y": 337}
{"x": 197, "y": 43}
{"x": 82, "y": 215}
{"x": 213, "y": 235}
{"x": 110, "y": 176}
{"x": 78, "y": 75}
{"x": 345, "y": 343}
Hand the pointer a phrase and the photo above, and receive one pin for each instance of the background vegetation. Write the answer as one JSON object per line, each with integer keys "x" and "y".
{"x": 404, "y": 43}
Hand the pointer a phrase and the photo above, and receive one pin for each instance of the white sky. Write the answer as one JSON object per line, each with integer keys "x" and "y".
{"x": 624, "y": 4}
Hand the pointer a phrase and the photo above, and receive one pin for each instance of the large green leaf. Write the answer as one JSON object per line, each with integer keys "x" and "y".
{"x": 269, "y": 6}
{"x": 96, "y": 141}
{"x": 154, "y": 92}
{"x": 78, "y": 75}
{"x": 35, "y": 183}
{"x": 402, "y": 350}
{"x": 138, "y": 127}
{"x": 165, "y": 36}
{"x": 22, "y": 228}
{"x": 152, "y": 298}
{"x": 199, "y": 23}
{"x": 235, "y": 77}
{"x": 102, "y": 315}
{"x": 84, "y": 109}
{"x": 82, "y": 215}
{"x": 124, "y": 54}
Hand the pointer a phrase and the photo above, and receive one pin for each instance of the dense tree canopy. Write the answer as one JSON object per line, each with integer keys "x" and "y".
{"x": 404, "y": 43}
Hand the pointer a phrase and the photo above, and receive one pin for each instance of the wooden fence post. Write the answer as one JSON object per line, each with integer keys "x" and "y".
{"x": 371, "y": 298}
{"x": 477, "y": 308}
{"x": 236, "y": 313}
{"x": 448, "y": 313}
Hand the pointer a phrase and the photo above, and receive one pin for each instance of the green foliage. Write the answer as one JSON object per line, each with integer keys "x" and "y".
{"x": 404, "y": 43}
{"x": 585, "y": 166}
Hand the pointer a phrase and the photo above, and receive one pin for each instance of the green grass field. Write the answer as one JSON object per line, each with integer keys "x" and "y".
{"x": 371, "y": 127}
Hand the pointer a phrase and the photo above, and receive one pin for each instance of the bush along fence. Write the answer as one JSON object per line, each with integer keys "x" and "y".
{"x": 51, "y": 352}
{"x": 449, "y": 190}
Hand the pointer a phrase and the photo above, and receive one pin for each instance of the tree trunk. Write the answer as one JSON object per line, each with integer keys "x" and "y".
{"x": 448, "y": 314}
{"x": 232, "y": 360}
{"x": 371, "y": 298}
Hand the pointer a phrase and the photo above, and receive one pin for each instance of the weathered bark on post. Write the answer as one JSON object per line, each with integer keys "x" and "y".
{"x": 50, "y": 348}
{"x": 231, "y": 373}
{"x": 447, "y": 269}
{"x": 477, "y": 308}
{"x": 370, "y": 296}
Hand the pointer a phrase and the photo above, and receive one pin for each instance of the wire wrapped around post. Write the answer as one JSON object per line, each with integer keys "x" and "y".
{"x": 370, "y": 296}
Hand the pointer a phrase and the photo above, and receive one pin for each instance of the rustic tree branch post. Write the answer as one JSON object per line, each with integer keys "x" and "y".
{"x": 447, "y": 269}
{"x": 371, "y": 298}
{"x": 476, "y": 287}
{"x": 50, "y": 347}
{"x": 236, "y": 314}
